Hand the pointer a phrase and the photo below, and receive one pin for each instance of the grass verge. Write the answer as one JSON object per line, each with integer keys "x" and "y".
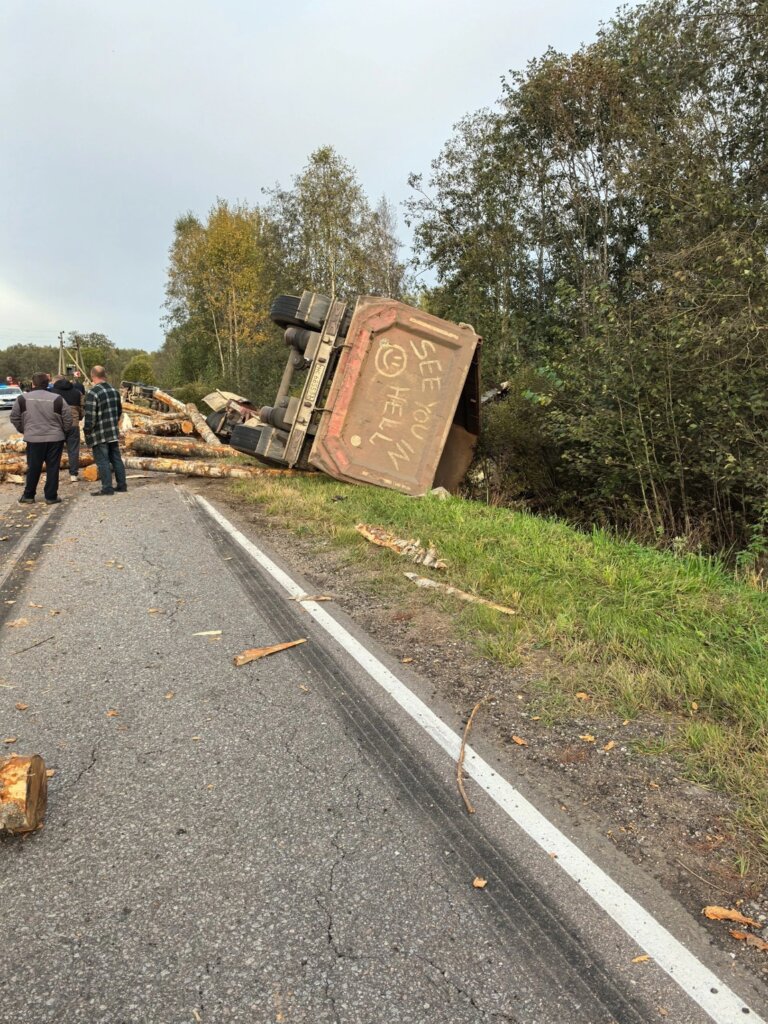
{"x": 647, "y": 631}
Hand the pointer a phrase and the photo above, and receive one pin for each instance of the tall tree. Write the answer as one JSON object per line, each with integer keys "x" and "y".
{"x": 221, "y": 279}
{"x": 332, "y": 241}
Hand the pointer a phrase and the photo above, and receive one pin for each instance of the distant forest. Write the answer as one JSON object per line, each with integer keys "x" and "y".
{"x": 604, "y": 228}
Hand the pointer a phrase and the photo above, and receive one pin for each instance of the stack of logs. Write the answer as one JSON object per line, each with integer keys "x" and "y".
{"x": 178, "y": 441}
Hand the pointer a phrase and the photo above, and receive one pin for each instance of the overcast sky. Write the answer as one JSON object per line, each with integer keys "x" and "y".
{"x": 119, "y": 115}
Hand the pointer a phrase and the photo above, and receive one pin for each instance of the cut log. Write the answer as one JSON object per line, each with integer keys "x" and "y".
{"x": 13, "y": 444}
{"x": 201, "y": 426}
{"x": 147, "y": 413}
{"x": 160, "y": 428}
{"x": 166, "y": 399}
{"x": 183, "y": 468}
{"x": 11, "y": 463}
{"x": 192, "y": 412}
{"x": 23, "y": 793}
{"x": 180, "y": 447}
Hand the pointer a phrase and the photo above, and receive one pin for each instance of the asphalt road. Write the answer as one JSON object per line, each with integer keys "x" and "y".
{"x": 275, "y": 842}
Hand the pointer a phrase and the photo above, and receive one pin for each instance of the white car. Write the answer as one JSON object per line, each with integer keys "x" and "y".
{"x": 8, "y": 395}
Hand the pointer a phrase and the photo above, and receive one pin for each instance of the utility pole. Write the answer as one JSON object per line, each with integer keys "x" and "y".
{"x": 62, "y": 362}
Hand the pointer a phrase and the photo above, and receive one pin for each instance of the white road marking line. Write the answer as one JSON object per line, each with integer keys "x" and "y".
{"x": 694, "y": 978}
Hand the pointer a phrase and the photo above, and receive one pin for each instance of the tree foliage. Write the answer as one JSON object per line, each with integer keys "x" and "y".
{"x": 604, "y": 227}
{"x": 319, "y": 234}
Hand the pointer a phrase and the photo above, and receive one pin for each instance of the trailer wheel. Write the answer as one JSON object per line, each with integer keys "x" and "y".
{"x": 245, "y": 439}
{"x": 283, "y": 311}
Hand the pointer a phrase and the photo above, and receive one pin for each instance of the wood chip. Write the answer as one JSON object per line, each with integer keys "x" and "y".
{"x": 751, "y": 940}
{"x": 112, "y": 713}
{"x": 21, "y": 706}
{"x": 10, "y": 739}
{"x": 726, "y": 914}
{"x": 254, "y": 653}
{"x": 17, "y": 623}
{"x": 479, "y": 883}
{"x": 208, "y": 632}
{"x": 640, "y": 959}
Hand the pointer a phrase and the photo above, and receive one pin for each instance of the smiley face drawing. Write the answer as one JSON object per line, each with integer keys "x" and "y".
{"x": 391, "y": 359}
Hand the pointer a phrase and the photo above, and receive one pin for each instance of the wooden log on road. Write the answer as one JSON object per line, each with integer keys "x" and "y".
{"x": 14, "y": 464}
{"x": 161, "y": 428}
{"x": 180, "y": 447}
{"x": 23, "y": 793}
{"x": 147, "y": 413}
{"x": 184, "y": 468}
{"x": 201, "y": 426}
{"x": 192, "y": 412}
{"x": 166, "y": 399}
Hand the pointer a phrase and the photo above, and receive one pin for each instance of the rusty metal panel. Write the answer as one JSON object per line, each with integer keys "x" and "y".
{"x": 394, "y": 394}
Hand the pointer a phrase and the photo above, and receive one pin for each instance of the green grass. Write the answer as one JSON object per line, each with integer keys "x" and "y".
{"x": 645, "y": 630}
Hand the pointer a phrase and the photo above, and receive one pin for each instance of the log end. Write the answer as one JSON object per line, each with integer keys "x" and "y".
{"x": 23, "y": 793}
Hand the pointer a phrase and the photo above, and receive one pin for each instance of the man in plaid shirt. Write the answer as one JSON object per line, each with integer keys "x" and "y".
{"x": 103, "y": 410}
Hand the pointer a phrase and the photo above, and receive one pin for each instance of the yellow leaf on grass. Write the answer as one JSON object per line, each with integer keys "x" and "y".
{"x": 587, "y": 737}
{"x": 479, "y": 883}
{"x": 112, "y": 713}
{"x": 640, "y": 959}
{"x": 583, "y": 696}
{"x": 21, "y": 706}
{"x": 609, "y": 745}
{"x": 254, "y": 653}
{"x": 725, "y": 914}
{"x": 751, "y": 940}
{"x": 520, "y": 741}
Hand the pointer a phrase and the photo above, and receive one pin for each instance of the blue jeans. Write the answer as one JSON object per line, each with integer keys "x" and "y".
{"x": 107, "y": 458}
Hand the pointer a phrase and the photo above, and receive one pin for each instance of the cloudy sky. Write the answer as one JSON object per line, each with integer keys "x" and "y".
{"x": 119, "y": 115}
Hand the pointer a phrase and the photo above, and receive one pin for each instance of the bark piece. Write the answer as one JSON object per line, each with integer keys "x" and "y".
{"x": 422, "y": 581}
{"x": 23, "y": 793}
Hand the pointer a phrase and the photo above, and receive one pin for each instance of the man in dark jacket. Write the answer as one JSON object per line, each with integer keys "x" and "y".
{"x": 74, "y": 399}
{"x": 43, "y": 417}
{"x": 103, "y": 410}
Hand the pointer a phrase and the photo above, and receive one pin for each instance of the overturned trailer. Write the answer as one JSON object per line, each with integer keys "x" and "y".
{"x": 391, "y": 395}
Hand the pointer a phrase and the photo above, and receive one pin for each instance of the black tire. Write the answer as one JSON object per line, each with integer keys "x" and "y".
{"x": 245, "y": 439}
{"x": 283, "y": 311}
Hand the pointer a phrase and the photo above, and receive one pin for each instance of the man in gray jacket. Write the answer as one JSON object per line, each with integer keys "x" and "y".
{"x": 43, "y": 417}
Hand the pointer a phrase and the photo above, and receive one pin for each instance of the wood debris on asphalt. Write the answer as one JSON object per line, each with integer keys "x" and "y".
{"x": 460, "y": 762}
{"x": 254, "y": 653}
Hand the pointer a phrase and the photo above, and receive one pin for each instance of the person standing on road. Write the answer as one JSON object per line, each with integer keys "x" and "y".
{"x": 44, "y": 418}
{"x": 74, "y": 399}
{"x": 103, "y": 410}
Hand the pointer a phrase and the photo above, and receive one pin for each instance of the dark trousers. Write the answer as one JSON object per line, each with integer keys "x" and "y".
{"x": 39, "y": 454}
{"x": 107, "y": 458}
{"x": 72, "y": 439}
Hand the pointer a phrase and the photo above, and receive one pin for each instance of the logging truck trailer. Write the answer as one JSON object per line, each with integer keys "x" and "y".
{"x": 390, "y": 395}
